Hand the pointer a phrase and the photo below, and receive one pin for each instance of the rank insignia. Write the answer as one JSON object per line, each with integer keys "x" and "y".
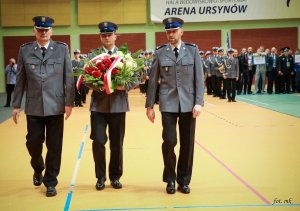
{"x": 32, "y": 66}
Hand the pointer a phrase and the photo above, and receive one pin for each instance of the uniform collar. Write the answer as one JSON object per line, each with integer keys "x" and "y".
{"x": 178, "y": 46}
{"x": 112, "y": 50}
{"x": 46, "y": 46}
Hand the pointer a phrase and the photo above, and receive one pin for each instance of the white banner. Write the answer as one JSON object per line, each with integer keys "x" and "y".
{"x": 224, "y": 10}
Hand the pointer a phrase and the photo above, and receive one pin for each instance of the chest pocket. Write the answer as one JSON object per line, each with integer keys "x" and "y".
{"x": 166, "y": 67}
{"x": 54, "y": 65}
{"x": 187, "y": 65}
{"x": 32, "y": 65}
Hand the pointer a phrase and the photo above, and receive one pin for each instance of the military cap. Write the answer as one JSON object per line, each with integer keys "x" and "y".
{"x": 220, "y": 49}
{"x": 230, "y": 50}
{"x": 76, "y": 51}
{"x": 107, "y": 27}
{"x": 215, "y": 48}
{"x": 207, "y": 53}
{"x": 201, "y": 52}
{"x": 172, "y": 23}
{"x": 286, "y": 49}
{"x": 43, "y": 22}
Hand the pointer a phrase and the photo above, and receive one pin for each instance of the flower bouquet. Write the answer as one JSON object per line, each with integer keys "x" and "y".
{"x": 107, "y": 72}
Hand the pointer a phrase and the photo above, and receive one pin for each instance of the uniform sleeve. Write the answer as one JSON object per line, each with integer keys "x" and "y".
{"x": 153, "y": 81}
{"x": 21, "y": 81}
{"x": 198, "y": 79}
{"x": 68, "y": 79}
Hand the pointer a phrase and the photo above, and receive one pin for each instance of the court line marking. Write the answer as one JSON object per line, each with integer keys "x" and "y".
{"x": 236, "y": 206}
{"x": 75, "y": 173}
{"x": 255, "y": 101}
{"x": 133, "y": 208}
{"x": 199, "y": 207}
{"x": 266, "y": 201}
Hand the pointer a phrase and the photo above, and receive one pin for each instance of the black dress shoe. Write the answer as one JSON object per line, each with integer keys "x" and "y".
{"x": 170, "y": 188}
{"x": 51, "y": 191}
{"x": 37, "y": 179}
{"x": 116, "y": 184}
{"x": 184, "y": 189}
{"x": 100, "y": 184}
{"x": 233, "y": 100}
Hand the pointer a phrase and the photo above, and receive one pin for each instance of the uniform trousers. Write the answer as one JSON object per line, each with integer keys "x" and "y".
{"x": 209, "y": 85}
{"x": 231, "y": 88}
{"x": 37, "y": 128}
{"x": 116, "y": 131}
{"x": 9, "y": 90}
{"x": 214, "y": 84}
{"x": 186, "y": 152}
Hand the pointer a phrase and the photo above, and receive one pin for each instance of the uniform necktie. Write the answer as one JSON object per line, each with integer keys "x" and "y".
{"x": 176, "y": 52}
{"x": 43, "y": 51}
{"x": 109, "y": 52}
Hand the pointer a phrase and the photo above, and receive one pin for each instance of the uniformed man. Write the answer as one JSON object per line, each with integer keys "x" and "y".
{"x": 45, "y": 74}
{"x": 219, "y": 68}
{"x": 179, "y": 68}
{"x": 108, "y": 111}
{"x": 286, "y": 69}
{"x": 79, "y": 94}
{"x": 207, "y": 71}
{"x": 231, "y": 74}
{"x": 212, "y": 74}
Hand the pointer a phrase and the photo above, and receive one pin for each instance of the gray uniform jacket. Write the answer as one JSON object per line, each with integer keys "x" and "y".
{"x": 115, "y": 102}
{"x": 232, "y": 67}
{"x": 212, "y": 61}
{"x": 181, "y": 79}
{"x": 48, "y": 81}
{"x": 207, "y": 66}
{"x": 218, "y": 63}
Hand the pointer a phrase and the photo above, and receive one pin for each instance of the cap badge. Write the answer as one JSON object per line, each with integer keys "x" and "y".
{"x": 43, "y": 19}
{"x": 105, "y": 24}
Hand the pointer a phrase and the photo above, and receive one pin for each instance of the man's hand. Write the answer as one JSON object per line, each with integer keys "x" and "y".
{"x": 68, "y": 111}
{"x": 122, "y": 88}
{"x": 197, "y": 110}
{"x": 16, "y": 114}
{"x": 150, "y": 114}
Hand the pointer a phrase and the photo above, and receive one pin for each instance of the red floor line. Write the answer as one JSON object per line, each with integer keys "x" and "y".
{"x": 266, "y": 201}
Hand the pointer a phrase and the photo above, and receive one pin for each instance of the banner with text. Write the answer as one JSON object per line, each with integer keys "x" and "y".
{"x": 224, "y": 10}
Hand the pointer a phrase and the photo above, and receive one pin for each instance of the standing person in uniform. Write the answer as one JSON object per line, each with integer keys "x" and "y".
{"x": 207, "y": 70}
{"x": 179, "y": 68}
{"x": 286, "y": 68}
{"x": 212, "y": 75}
{"x": 10, "y": 73}
{"x": 45, "y": 74}
{"x": 77, "y": 63}
{"x": 108, "y": 111}
{"x": 220, "y": 69}
{"x": 232, "y": 74}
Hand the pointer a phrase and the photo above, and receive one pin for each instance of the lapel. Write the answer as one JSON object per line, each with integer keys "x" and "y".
{"x": 50, "y": 50}
{"x": 182, "y": 52}
{"x": 37, "y": 51}
{"x": 170, "y": 53}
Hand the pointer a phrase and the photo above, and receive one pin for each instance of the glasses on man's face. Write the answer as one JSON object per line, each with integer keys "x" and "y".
{"x": 106, "y": 35}
{"x": 42, "y": 30}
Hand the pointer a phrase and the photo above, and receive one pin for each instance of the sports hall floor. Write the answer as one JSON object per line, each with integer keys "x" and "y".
{"x": 247, "y": 157}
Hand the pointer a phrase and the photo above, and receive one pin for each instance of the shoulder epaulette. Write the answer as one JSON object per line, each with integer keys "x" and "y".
{"x": 28, "y": 43}
{"x": 61, "y": 43}
{"x": 159, "y": 47}
{"x": 190, "y": 44}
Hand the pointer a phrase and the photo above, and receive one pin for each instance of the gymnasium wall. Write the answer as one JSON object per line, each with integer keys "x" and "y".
{"x": 136, "y": 29}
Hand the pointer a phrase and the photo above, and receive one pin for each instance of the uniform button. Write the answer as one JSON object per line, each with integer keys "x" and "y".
{"x": 44, "y": 63}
